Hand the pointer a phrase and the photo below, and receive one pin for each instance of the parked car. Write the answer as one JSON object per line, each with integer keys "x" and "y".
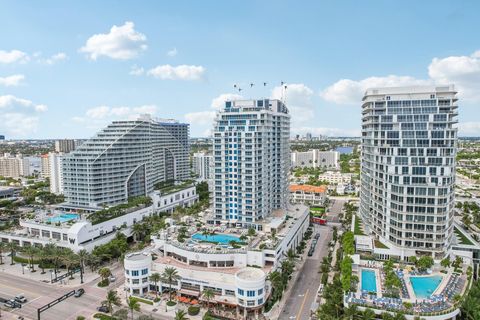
{"x": 79, "y": 292}
{"x": 20, "y": 298}
{"x": 13, "y": 304}
{"x": 103, "y": 309}
{"x": 112, "y": 279}
{"x": 317, "y": 235}
{"x": 310, "y": 252}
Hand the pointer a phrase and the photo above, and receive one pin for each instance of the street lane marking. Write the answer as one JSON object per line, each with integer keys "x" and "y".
{"x": 303, "y": 304}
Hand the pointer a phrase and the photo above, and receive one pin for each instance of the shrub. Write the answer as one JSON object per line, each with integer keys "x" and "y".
{"x": 171, "y": 303}
{"x": 150, "y": 302}
{"x": 193, "y": 310}
{"x": 103, "y": 283}
{"x": 102, "y": 316}
{"x": 156, "y": 299}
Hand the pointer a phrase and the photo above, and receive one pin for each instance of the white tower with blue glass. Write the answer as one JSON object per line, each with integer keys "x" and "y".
{"x": 251, "y": 161}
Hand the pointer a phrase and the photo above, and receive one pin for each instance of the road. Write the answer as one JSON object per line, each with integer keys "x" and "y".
{"x": 336, "y": 206}
{"x": 39, "y": 293}
{"x": 304, "y": 290}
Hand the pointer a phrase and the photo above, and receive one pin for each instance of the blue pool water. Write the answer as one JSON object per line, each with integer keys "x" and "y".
{"x": 425, "y": 286}
{"x": 369, "y": 280}
{"x": 220, "y": 238}
{"x": 63, "y": 217}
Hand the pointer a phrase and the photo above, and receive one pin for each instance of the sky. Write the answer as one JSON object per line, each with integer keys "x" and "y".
{"x": 68, "y": 68}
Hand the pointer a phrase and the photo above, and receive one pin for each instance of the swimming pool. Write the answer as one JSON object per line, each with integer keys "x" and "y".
{"x": 424, "y": 287}
{"x": 63, "y": 217}
{"x": 369, "y": 280}
{"x": 219, "y": 238}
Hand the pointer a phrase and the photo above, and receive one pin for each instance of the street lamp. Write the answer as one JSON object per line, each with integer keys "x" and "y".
{"x": 23, "y": 268}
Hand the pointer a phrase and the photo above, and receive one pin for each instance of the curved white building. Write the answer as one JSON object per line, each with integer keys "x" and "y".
{"x": 250, "y": 283}
{"x": 409, "y": 142}
{"x": 137, "y": 272}
{"x": 126, "y": 159}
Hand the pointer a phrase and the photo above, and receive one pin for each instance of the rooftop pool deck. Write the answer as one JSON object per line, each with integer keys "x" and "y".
{"x": 64, "y": 217}
{"x": 369, "y": 280}
{"x": 425, "y": 286}
{"x": 220, "y": 238}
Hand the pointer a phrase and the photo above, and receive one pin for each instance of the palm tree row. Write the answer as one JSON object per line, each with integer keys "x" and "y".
{"x": 50, "y": 256}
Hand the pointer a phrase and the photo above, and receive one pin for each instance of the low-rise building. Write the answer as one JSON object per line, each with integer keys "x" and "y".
{"x": 316, "y": 159}
{"x": 310, "y": 195}
{"x": 335, "y": 177}
{"x": 237, "y": 275}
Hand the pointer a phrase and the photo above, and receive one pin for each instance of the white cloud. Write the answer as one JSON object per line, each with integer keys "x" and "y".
{"x": 13, "y": 56}
{"x": 172, "y": 53}
{"x": 136, "y": 70}
{"x": 108, "y": 113}
{"x": 12, "y": 81}
{"x": 60, "y": 56}
{"x": 122, "y": 43}
{"x": 201, "y": 118}
{"x": 463, "y": 71}
{"x": 18, "y": 124}
{"x": 298, "y": 98}
{"x": 181, "y": 72}
{"x": 348, "y": 91}
{"x": 219, "y": 102}
{"x": 12, "y": 102}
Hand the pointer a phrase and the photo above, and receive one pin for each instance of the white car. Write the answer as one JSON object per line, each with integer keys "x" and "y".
{"x": 112, "y": 279}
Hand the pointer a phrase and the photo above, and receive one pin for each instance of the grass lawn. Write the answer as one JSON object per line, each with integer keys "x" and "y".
{"x": 357, "y": 228}
{"x": 462, "y": 237}
{"x": 317, "y": 209}
{"x": 380, "y": 245}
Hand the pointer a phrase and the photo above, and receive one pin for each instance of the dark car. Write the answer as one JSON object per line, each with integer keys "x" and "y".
{"x": 103, "y": 309}
{"x": 317, "y": 235}
{"x": 79, "y": 292}
{"x": 13, "y": 304}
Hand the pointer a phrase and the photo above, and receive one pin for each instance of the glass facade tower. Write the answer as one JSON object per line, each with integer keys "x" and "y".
{"x": 409, "y": 141}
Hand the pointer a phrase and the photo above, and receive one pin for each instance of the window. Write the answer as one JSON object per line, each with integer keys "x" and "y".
{"x": 241, "y": 292}
{"x": 127, "y": 272}
{"x": 260, "y": 301}
{"x": 251, "y": 293}
{"x": 135, "y": 273}
{"x": 260, "y": 291}
{"x": 144, "y": 271}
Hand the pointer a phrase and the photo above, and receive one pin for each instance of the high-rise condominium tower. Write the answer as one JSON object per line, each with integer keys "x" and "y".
{"x": 126, "y": 159}
{"x": 409, "y": 144}
{"x": 252, "y": 159}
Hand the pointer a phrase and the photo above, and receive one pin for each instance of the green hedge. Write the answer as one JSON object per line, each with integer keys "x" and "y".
{"x": 171, "y": 303}
{"x": 193, "y": 310}
{"x": 142, "y": 300}
{"x": 102, "y": 316}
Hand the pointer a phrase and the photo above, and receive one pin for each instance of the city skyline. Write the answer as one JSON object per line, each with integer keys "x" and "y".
{"x": 68, "y": 77}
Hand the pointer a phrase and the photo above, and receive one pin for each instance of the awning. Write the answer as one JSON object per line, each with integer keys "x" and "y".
{"x": 189, "y": 292}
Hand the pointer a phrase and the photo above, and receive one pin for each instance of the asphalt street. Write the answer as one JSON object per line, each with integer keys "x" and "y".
{"x": 39, "y": 293}
{"x": 303, "y": 292}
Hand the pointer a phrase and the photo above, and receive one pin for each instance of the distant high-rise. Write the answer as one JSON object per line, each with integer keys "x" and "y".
{"x": 409, "y": 142}
{"x": 2, "y": 138}
{"x": 126, "y": 159}
{"x": 252, "y": 160}
{"x": 203, "y": 165}
{"x": 44, "y": 166}
{"x": 64, "y": 145}
{"x": 56, "y": 174}
{"x": 14, "y": 167}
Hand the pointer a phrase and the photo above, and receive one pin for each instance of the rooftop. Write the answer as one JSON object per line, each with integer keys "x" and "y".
{"x": 307, "y": 188}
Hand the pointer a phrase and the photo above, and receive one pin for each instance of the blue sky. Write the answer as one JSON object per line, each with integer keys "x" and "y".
{"x": 67, "y": 68}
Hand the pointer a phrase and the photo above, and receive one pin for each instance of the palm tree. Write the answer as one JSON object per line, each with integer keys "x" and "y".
{"x": 350, "y": 312}
{"x": 291, "y": 255}
{"x": 138, "y": 229}
{"x": 155, "y": 278}
{"x": 399, "y": 316}
{"x": 133, "y": 305}
{"x": 82, "y": 258}
{"x": 181, "y": 315}
{"x": 70, "y": 259}
{"x": 208, "y": 295}
{"x": 3, "y": 246}
{"x": 104, "y": 274}
{"x": 30, "y": 252}
{"x": 111, "y": 300}
{"x": 12, "y": 246}
{"x": 368, "y": 314}
{"x": 170, "y": 275}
